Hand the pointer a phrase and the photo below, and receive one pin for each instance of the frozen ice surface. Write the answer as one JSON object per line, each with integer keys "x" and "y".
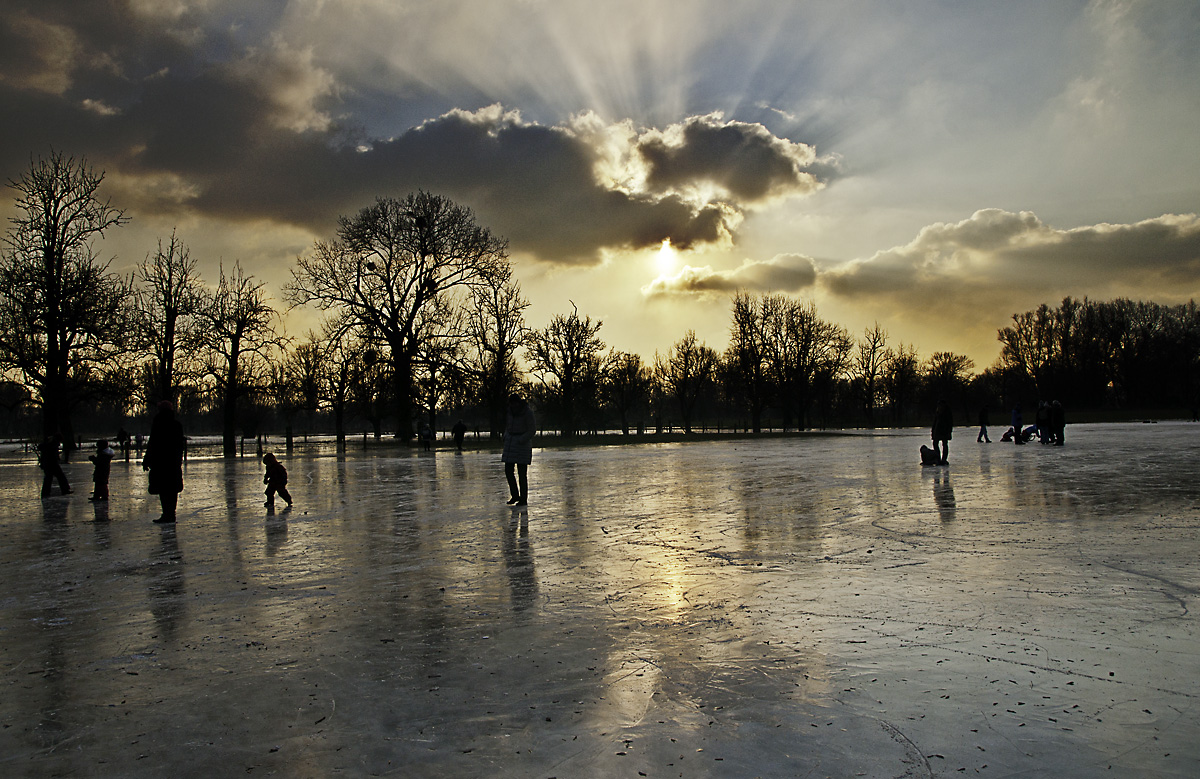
{"x": 811, "y": 606}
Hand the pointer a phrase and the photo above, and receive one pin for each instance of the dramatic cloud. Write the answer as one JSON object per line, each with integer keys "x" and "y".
{"x": 587, "y": 133}
{"x": 742, "y": 161}
{"x": 996, "y": 248}
{"x": 785, "y": 273}
{"x": 975, "y": 273}
{"x": 233, "y": 122}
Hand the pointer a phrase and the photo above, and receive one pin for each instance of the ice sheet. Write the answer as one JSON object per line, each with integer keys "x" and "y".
{"x": 812, "y": 606}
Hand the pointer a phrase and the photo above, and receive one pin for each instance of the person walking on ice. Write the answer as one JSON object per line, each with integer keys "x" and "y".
{"x": 518, "y": 449}
{"x": 48, "y": 462}
{"x": 276, "y": 481}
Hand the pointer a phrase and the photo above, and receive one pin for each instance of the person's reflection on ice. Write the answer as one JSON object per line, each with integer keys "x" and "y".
{"x": 943, "y": 496}
{"x": 518, "y": 562}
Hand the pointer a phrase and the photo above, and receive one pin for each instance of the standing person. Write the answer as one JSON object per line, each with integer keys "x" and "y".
{"x": 1017, "y": 423}
{"x": 276, "y": 480}
{"x": 48, "y": 462}
{"x": 983, "y": 426}
{"x": 1058, "y": 422}
{"x": 518, "y": 448}
{"x": 1042, "y": 422}
{"x": 103, "y": 461}
{"x": 460, "y": 432}
{"x": 164, "y": 460}
{"x": 943, "y": 425}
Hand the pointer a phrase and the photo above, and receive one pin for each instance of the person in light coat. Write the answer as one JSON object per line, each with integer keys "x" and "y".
{"x": 518, "y": 449}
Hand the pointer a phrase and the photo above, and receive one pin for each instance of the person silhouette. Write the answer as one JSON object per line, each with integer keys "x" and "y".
{"x": 48, "y": 462}
{"x": 276, "y": 480}
{"x": 519, "y": 430}
{"x": 164, "y": 460}
{"x": 942, "y": 431}
{"x": 103, "y": 461}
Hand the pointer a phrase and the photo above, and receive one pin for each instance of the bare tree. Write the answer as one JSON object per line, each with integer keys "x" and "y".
{"x": 341, "y": 363}
{"x": 749, "y": 353}
{"x": 947, "y": 376}
{"x": 806, "y": 355}
{"x": 440, "y": 359}
{"x": 496, "y": 326}
{"x": 294, "y": 383}
{"x": 61, "y": 311}
{"x": 687, "y": 374}
{"x": 868, "y": 367}
{"x": 626, "y": 384}
{"x": 167, "y": 300}
{"x": 387, "y": 270}
{"x": 565, "y": 356}
{"x": 370, "y": 385}
{"x": 239, "y": 335}
{"x": 901, "y": 374}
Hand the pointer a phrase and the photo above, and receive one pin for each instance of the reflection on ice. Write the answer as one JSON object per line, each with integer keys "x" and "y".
{"x": 812, "y": 605}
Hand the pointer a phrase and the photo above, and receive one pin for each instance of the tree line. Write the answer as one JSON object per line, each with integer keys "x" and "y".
{"x": 423, "y": 322}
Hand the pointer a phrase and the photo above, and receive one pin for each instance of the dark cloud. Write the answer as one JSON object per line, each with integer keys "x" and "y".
{"x": 745, "y": 160}
{"x": 785, "y": 273}
{"x": 215, "y": 115}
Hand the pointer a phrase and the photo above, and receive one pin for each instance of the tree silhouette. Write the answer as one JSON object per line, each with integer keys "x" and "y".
{"x": 239, "y": 335}
{"x": 166, "y": 303}
{"x": 389, "y": 268}
{"x": 565, "y": 356}
{"x": 62, "y": 320}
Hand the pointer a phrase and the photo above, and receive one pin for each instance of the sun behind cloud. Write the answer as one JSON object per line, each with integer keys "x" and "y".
{"x": 666, "y": 258}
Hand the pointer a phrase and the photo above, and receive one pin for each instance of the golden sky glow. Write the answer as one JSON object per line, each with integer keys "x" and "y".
{"x": 934, "y": 168}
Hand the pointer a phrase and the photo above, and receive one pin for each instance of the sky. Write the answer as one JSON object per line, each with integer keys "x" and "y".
{"x": 933, "y": 167}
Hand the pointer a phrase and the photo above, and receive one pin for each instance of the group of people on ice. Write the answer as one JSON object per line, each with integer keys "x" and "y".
{"x": 1049, "y": 427}
{"x": 163, "y": 462}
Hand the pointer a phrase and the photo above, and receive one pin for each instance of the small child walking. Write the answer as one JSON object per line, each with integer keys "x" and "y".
{"x": 276, "y": 480}
{"x": 103, "y": 460}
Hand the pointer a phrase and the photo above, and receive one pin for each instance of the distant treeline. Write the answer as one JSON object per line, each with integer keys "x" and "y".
{"x": 1116, "y": 354}
{"x": 424, "y": 324}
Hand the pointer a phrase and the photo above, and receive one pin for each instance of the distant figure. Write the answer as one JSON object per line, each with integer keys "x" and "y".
{"x": 943, "y": 425}
{"x": 140, "y": 439}
{"x": 460, "y": 432}
{"x": 1058, "y": 422}
{"x": 102, "y": 459}
{"x": 276, "y": 481}
{"x": 48, "y": 462}
{"x": 983, "y": 426}
{"x": 1017, "y": 422}
{"x": 426, "y": 436}
{"x": 123, "y": 442}
{"x": 164, "y": 460}
{"x": 518, "y": 448}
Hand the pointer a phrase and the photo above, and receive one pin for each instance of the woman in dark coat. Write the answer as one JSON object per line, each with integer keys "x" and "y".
{"x": 943, "y": 424}
{"x": 518, "y": 449}
{"x": 164, "y": 460}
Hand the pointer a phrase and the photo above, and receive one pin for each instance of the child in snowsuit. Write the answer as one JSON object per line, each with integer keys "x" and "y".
{"x": 276, "y": 480}
{"x": 103, "y": 461}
